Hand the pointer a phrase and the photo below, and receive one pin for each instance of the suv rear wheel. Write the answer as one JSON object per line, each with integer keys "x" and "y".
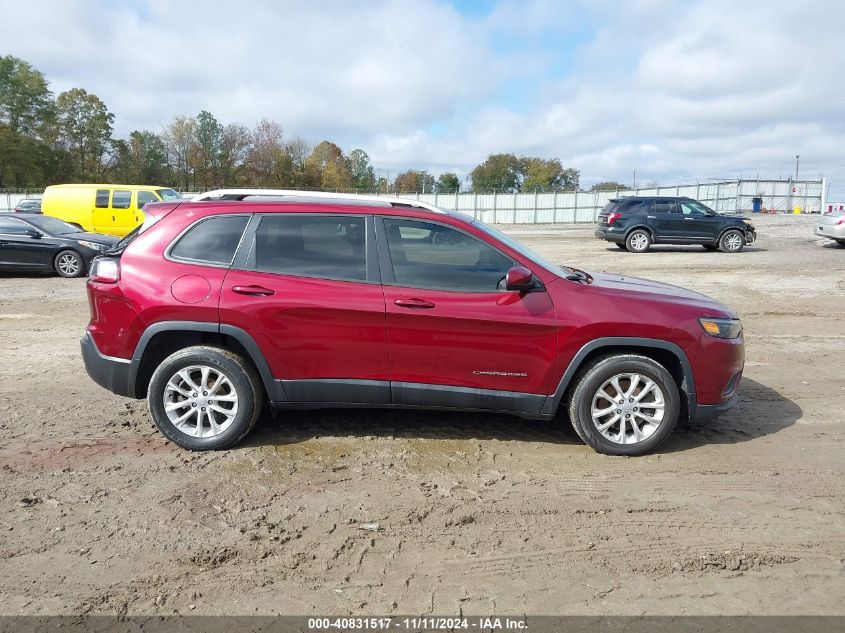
{"x": 204, "y": 398}
{"x": 639, "y": 241}
{"x": 731, "y": 241}
{"x": 624, "y": 404}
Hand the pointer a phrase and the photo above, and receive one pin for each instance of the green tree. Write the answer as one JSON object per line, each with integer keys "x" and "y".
{"x": 363, "y": 174}
{"x": 500, "y": 172}
{"x": 608, "y": 185}
{"x": 235, "y": 145}
{"x": 265, "y": 154}
{"x": 179, "y": 138}
{"x": 327, "y": 169}
{"x": 539, "y": 174}
{"x": 85, "y": 129}
{"x": 206, "y": 151}
{"x": 413, "y": 181}
{"x": 25, "y": 101}
{"x": 142, "y": 159}
{"x": 447, "y": 182}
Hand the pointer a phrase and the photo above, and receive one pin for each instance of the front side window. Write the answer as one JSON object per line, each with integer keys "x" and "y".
{"x": 428, "y": 255}
{"x": 328, "y": 247}
{"x": 9, "y": 226}
{"x": 102, "y": 199}
{"x": 121, "y": 199}
{"x": 212, "y": 241}
{"x": 144, "y": 197}
{"x": 695, "y": 208}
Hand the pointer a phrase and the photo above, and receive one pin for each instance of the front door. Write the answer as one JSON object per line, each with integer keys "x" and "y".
{"x": 701, "y": 224}
{"x": 457, "y": 338}
{"x": 305, "y": 287}
{"x": 103, "y": 217}
{"x": 19, "y": 249}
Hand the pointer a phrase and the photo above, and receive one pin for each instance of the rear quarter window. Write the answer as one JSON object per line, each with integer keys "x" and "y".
{"x": 213, "y": 240}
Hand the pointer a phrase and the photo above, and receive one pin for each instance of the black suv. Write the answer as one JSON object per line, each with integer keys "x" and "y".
{"x": 635, "y": 223}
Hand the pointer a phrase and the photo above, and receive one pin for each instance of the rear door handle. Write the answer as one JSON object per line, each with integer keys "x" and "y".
{"x": 414, "y": 303}
{"x": 253, "y": 291}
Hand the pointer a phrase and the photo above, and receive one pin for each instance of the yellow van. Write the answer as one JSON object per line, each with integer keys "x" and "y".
{"x": 111, "y": 209}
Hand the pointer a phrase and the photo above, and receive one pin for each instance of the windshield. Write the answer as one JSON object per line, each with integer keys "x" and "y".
{"x": 168, "y": 194}
{"x": 53, "y": 225}
{"x": 522, "y": 249}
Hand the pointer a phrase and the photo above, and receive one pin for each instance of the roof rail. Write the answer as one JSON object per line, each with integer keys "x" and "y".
{"x": 240, "y": 194}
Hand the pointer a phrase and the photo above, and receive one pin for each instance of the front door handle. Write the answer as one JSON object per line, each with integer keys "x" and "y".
{"x": 414, "y": 303}
{"x": 253, "y": 291}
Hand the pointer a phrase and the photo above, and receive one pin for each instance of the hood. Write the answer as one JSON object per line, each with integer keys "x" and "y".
{"x": 97, "y": 238}
{"x": 647, "y": 289}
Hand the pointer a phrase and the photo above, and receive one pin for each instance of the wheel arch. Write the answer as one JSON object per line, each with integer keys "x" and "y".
{"x": 645, "y": 227}
{"x": 731, "y": 227}
{"x": 668, "y": 354}
{"x": 160, "y": 340}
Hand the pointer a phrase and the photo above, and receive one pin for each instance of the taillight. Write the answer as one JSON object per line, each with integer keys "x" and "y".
{"x": 842, "y": 221}
{"x": 105, "y": 270}
{"x": 612, "y": 217}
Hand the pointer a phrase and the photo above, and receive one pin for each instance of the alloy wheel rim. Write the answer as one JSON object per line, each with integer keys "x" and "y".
{"x": 200, "y": 401}
{"x": 639, "y": 241}
{"x": 68, "y": 264}
{"x": 628, "y": 408}
{"x": 733, "y": 242}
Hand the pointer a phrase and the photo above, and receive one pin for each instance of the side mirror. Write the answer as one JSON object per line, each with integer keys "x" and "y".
{"x": 34, "y": 233}
{"x": 519, "y": 278}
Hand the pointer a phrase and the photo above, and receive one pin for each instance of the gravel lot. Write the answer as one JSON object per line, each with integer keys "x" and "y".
{"x": 475, "y": 513}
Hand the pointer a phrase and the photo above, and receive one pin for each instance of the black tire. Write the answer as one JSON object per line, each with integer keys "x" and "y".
{"x": 635, "y": 242}
{"x": 840, "y": 242}
{"x": 243, "y": 381}
{"x": 728, "y": 242}
{"x": 69, "y": 264}
{"x": 711, "y": 247}
{"x": 591, "y": 379}
{"x": 621, "y": 246}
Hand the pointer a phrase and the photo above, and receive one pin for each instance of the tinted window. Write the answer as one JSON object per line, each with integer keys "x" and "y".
{"x": 610, "y": 206}
{"x": 13, "y": 227}
{"x": 214, "y": 240}
{"x": 332, "y": 247}
{"x": 121, "y": 199}
{"x": 53, "y": 225}
{"x": 426, "y": 255}
{"x": 663, "y": 206}
{"x": 634, "y": 206}
{"x": 102, "y": 199}
{"x": 144, "y": 197}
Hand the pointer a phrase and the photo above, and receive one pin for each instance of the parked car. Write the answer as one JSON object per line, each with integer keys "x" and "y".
{"x": 28, "y": 205}
{"x": 109, "y": 209}
{"x": 832, "y": 225}
{"x": 212, "y": 306}
{"x": 635, "y": 224}
{"x": 39, "y": 243}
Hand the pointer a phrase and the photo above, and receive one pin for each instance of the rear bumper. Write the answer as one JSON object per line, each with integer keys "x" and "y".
{"x": 608, "y": 234}
{"x": 108, "y": 372}
{"x": 707, "y": 412}
{"x": 833, "y": 231}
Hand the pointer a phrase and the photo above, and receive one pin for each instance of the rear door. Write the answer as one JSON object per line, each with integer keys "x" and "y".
{"x": 306, "y": 287}
{"x": 667, "y": 222}
{"x": 457, "y": 337}
{"x": 18, "y": 249}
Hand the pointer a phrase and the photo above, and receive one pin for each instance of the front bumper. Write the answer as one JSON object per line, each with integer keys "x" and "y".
{"x": 707, "y": 412}
{"x": 833, "y": 231}
{"x": 110, "y": 373}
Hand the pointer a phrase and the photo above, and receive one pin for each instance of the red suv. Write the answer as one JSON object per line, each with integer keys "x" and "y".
{"x": 214, "y": 306}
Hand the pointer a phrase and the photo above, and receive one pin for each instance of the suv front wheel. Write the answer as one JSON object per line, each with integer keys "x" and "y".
{"x": 624, "y": 404}
{"x": 204, "y": 398}
{"x": 639, "y": 241}
{"x": 732, "y": 241}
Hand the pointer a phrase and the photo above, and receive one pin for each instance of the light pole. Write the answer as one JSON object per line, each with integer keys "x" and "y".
{"x": 797, "y": 156}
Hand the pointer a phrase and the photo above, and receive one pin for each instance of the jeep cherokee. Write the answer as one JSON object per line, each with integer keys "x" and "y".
{"x": 305, "y": 300}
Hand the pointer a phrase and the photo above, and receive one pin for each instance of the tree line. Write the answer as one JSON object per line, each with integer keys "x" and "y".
{"x": 70, "y": 138}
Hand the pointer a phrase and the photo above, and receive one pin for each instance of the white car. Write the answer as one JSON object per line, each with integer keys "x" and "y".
{"x": 832, "y": 225}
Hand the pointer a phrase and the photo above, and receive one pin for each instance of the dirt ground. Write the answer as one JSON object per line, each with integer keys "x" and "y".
{"x": 476, "y": 513}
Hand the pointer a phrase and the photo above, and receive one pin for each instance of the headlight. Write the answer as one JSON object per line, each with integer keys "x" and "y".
{"x": 749, "y": 222}
{"x": 93, "y": 245}
{"x": 721, "y": 328}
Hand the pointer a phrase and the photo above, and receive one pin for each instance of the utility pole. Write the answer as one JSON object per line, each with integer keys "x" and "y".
{"x": 797, "y": 156}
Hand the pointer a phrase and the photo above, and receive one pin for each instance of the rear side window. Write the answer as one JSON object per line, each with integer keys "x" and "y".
{"x": 121, "y": 199}
{"x": 212, "y": 241}
{"x": 633, "y": 206}
{"x": 10, "y": 226}
{"x": 102, "y": 199}
{"x": 144, "y": 197}
{"x": 327, "y": 247}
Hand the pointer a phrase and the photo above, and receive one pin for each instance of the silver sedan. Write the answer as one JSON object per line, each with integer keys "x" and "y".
{"x": 832, "y": 225}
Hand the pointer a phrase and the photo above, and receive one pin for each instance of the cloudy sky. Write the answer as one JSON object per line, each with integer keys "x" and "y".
{"x": 673, "y": 90}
